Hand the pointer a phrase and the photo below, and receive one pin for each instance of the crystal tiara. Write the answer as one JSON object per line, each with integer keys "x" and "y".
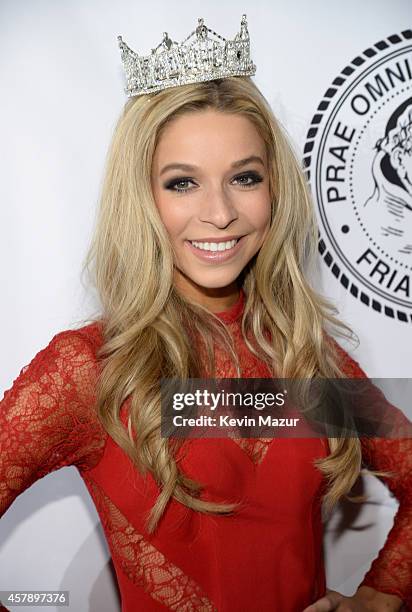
{"x": 202, "y": 56}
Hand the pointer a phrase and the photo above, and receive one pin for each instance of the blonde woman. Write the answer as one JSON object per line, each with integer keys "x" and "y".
{"x": 229, "y": 525}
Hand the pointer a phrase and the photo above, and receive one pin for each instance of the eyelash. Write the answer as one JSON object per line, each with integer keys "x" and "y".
{"x": 253, "y": 175}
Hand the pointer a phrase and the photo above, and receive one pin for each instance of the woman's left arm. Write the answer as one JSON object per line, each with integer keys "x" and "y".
{"x": 391, "y": 571}
{"x": 387, "y": 586}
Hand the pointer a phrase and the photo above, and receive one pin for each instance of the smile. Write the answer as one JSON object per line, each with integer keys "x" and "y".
{"x": 215, "y": 246}
{"x": 216, "y": 252}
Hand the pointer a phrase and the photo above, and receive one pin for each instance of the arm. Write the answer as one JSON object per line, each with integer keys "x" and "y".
{"x": 391, "y": 572}
{"x": 46, "y": 418}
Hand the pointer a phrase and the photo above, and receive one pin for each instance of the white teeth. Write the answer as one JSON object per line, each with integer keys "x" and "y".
{"x": 214, "y": 246}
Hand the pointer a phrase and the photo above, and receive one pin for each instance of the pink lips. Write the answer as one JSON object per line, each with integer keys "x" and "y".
{"x": 215, "y": 256}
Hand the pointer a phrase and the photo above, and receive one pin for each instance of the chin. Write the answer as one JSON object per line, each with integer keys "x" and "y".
{"x": 211, "y": 285}
{"x": 217, "y": 282}
{"x": 212, "y": 280}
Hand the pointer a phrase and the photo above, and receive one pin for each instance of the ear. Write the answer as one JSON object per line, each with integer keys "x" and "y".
{"x": 396, "y": 158}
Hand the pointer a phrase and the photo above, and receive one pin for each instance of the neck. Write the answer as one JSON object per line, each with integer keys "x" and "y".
{"x": 214, "y": 299}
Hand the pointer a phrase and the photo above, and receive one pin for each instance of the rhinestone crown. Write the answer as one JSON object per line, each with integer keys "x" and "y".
{"x": 202, "y": 56}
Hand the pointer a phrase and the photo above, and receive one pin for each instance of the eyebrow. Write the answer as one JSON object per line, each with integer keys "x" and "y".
{"x": 189, "y": 167}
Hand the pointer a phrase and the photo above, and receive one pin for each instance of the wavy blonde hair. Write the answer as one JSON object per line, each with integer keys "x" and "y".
{"x": 144, "y": 317}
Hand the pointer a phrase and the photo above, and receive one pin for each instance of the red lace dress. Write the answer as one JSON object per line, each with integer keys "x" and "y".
{"x": 267, "y": 557}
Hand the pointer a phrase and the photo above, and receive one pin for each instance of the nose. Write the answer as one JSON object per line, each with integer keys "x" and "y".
{"x": 218, "y": 208}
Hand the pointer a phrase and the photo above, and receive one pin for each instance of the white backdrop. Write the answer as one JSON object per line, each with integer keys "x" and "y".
{"x": 62, "y": 91}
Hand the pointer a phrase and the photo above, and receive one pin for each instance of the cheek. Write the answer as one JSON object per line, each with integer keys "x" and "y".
{"x": 173, "y": 217}
{"x": 259, "y": 213}
{"x": 267, "y": 213}
{"x": 267, "y": 209}
{"x": 262, "y": 219}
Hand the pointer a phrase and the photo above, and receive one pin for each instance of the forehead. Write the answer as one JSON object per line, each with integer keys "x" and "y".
{"x": 204, "y": 135}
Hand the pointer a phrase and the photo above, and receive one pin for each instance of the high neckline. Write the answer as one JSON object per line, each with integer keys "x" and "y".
{"x": 235, "y": 311}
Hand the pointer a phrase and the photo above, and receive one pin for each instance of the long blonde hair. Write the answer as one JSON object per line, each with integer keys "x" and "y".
{"x": 130, "y": 261}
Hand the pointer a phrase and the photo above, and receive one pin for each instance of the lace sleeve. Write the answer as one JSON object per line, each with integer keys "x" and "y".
{"x": 391, "y": 571}
{"x": 46, "y": 417}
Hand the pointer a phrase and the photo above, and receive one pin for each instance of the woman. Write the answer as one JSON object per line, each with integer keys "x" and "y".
{"x": 206, "y": 524}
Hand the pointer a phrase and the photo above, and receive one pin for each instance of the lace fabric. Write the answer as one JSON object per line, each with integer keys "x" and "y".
{"x": 47, "y": 422}
{"x": 45, "y": 418}
{"x": 144, "y": 564}
{"x": 391, "y": 571}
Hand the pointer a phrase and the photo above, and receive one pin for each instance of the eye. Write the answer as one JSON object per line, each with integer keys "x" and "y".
{"x": 176, "y": 184}
{"x": 254, "y": 178}
{"x": 245, "y": 180}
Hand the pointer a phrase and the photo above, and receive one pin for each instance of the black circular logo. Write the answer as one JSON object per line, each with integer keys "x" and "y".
{"x": 358, "y": 158}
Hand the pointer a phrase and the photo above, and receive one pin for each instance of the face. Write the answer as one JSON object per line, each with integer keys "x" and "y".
{"x": 211, "y": 187}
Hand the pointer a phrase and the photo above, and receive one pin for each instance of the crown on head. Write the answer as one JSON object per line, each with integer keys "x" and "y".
{"x": 202, "y": 56}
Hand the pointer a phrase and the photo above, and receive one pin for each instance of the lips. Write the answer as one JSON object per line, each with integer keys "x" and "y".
{"x": 226, "y": 239}
{"x": 215, "y": 246}
{"x": 215, "y": 256}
